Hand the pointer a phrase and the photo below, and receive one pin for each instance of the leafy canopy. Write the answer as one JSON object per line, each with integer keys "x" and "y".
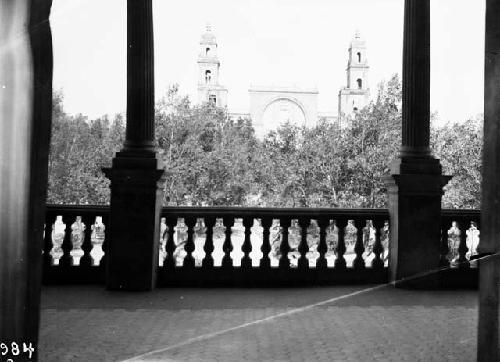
{"x": 213, "y": 160}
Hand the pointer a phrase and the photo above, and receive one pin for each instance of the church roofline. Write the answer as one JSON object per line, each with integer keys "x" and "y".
{"x": 282, "y": 89}
{"x": 354, "y": 91}
{"x": 238, "y": 114}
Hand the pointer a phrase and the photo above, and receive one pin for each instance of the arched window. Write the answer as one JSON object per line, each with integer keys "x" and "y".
{"x": 360, "y": 83}
{"x": 355, "y": 109}
{"x": 359, "y": 57}
{"x": 212, "y": 98}
{"x": 207, "y": 51}
{"x": 208, "y": 76}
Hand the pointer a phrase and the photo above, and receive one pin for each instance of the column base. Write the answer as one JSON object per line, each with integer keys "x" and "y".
{"x": 415, "y": 189}
{"x": 136, "y": 200}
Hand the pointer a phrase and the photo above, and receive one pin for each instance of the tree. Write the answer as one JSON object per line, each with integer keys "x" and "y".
{"x": 79, "y": 148}
{"x": 368, "y": 146}
{"x": 206, "y": 154}
{"x": 459, "y": 146}
{"x": 213, "y": 160}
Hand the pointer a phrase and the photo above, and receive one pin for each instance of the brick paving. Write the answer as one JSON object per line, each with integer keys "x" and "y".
{"x": 82, "y": 323}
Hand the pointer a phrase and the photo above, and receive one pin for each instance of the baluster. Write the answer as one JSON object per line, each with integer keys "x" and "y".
{"x": 265, "y": 262}
{"x": 208, "y": 261}
{"x": 104, "y": 245}
{"x": 66, "y": 259}
{"x": 462, "y": 246}
{"x": 57, "y": 237}
{"x": 227, "y": 247}
{"x": 303, "y": 262}
{"x": 444, "y": 247}
{"x": 478, "y": 227}
{"x": 246, "y": 261}
{"x": 359, "y": 247}
{"x": 190, "y": 246}
{"x": 77, "y": 238}
{"x": 162, "y": 253}
{"x": 50, "y": 219}
{"x": 378, "y": 249}
{"x": 86, "y": 259}
{"x": 284, "y": 261}
{"x": 340, "y": 262}
{"x": 170, "y": 262}
{"x": 322, "y": 246}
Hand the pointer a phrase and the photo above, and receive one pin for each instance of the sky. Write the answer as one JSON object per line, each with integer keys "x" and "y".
{"x": 265, "y": 42}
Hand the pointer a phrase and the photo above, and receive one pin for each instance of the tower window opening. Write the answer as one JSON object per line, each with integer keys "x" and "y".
{"x": 207, "y": 51}
{"x": 208, "y": 76}
{"x": 212, "y": 99}
{"x": 360, "y": 83}
{"x": 359, "y": 57}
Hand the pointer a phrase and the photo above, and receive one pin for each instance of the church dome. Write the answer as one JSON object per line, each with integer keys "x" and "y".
{"x": 357, "y": 40}
{"x": 208, "y": 36}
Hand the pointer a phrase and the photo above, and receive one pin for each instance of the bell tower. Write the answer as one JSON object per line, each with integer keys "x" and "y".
{"x": 209, "y": 89}
{"x": 356, "y": 94}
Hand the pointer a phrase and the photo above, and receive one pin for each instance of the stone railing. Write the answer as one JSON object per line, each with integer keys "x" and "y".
{"x": 459, "y": 237}
{"x": 258, "y": 245}
{"x": 74, "y": 240}
{"x": 249, "y": 245}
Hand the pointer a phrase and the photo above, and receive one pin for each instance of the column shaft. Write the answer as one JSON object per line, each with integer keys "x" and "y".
{"x": 25, "y": 125}
{"x": 136, "y": 174}
{"x": 416, "y": 79}
{"x": 490, "y": 204}
{"x": 140, "y": 76}
{"x": 416, "y": 183}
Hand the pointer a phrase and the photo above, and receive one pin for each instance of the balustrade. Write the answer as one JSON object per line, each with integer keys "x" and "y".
{"x": 74, "y": 238}
{"x": 273, "y": 241}
{"x": 459, "y": 237}
{"x": 250, "y": 243}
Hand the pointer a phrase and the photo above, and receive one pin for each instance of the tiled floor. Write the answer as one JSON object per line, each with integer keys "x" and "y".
{"x": 354, "y": 323}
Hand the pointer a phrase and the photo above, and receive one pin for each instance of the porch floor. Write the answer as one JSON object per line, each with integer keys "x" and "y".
{"x": 343, "y": 323}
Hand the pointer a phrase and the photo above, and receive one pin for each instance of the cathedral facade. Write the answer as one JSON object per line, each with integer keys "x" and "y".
{"x": 271, "y": 106}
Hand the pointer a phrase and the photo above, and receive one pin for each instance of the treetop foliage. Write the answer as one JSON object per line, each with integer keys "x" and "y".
{"x": 213, "y": 160}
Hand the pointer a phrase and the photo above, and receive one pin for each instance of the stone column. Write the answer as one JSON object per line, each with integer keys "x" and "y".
{"x": 136, "y": 172}
{"x": 25, "y": 124}
{"x": 416, "y": 80}
{"x": 487, "y": 347}
{"x": 416, "y": 184}
{"x": 140, "y": 77}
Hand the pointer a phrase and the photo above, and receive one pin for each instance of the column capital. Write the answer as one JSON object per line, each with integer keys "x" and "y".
{"x": 415, "y": 164}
